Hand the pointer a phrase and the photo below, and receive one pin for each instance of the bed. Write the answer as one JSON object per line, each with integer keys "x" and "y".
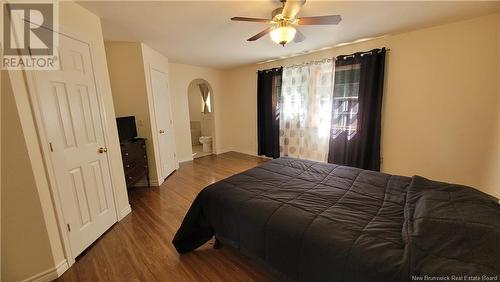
{"x": 310, "y": 221}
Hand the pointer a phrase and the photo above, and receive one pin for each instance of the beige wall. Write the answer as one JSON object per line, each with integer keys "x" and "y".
{"x": 31, "y": 242}
{"x": 130, "y": 97}
{"x": 129, "y": 64}
{"x": 152, "y": 59}
{"x": 126, "y": 74}
{"x": 492, "y": 171}
{"x": 195, "y": 102}
{"x": 491, "y": 182}
{"x": 180, "y": 77}
{"x": 440, "y": 101}
{"x": 24, "y": 231}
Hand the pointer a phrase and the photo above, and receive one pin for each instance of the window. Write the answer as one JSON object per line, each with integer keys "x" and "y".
{"x": 345, "y": 101}
{"x": 306, "y": 104}
{"x": 208, "y": 104}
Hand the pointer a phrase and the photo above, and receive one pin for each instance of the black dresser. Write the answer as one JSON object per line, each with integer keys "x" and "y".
{"x": 135, "y": 160}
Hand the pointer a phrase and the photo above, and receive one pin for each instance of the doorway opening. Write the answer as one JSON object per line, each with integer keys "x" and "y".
{"x": 201, "y": 118}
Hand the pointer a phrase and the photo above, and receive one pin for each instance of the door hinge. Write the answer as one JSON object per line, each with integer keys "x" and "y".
{"x": 69, "y": 227}
{"x": 51, "y": 147}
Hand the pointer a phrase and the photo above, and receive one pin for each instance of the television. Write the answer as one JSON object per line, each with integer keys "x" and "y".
{"x": 126, "y": 128}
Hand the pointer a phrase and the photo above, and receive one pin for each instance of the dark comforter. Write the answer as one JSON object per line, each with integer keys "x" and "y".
{"x": 312, "y": 221}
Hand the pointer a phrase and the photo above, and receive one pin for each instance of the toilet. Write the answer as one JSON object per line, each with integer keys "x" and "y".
{"x": 207, "y": 143}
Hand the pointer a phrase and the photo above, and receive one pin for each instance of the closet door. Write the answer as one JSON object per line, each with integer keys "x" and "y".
{"x": 72, "y": 117}
{"x": 164, "y": 125}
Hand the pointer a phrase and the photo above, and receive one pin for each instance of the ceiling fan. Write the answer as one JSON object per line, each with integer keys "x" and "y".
{"x": 284, "y": 22}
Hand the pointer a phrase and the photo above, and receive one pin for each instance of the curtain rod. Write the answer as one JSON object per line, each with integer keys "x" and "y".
{"x": 326, "y": 60}
{"x": 360, "y": 53}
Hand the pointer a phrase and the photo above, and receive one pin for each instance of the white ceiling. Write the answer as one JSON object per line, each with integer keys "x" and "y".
{"x": 200, "y": 33}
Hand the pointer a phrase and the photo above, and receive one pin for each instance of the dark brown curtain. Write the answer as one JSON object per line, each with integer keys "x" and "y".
{"x": 268, "y": 89}
{"x": 357, "y": 110}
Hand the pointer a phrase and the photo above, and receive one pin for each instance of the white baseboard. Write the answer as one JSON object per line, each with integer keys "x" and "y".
{"x": 157, "y": 182}
{"x": 248, "y": 153}
{"x": 49, "y": 274}
{"x": 124, "y": 212}
{"x": 185, "y": 160}
{"x": 234, "y": 149}
{"x": 225, "y": 150}
{"x": 62, "y": 267}
{"x": 144, "y": 183}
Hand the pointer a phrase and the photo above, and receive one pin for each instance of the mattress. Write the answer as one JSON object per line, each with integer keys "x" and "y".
{"x": 310, "y": 221}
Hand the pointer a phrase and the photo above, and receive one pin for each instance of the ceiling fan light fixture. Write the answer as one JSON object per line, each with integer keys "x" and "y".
{"x": 284, "y": 20}
{"x": 283, "y": 34}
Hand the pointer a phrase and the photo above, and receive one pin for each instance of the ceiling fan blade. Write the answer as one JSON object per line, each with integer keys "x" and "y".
{"x": 244, "y": 19}
{"x": 321, "y": 20}
{"x": 260, "y": 34}
{"x": 292, "y": 8}
{"x": 299, "y": 36}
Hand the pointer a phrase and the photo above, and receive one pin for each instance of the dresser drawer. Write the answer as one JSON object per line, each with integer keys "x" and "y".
{"x": 135, "y": 175}
{"x": 135, "y": 160}
{"x": 132, "y": 164}
{"x": 133, "y": 154}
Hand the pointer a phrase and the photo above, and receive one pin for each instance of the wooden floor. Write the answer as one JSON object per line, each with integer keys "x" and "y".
{"x": 139, "y": 248}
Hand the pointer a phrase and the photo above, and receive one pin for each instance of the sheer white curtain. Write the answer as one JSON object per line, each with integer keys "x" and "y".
{"x": 306, "y": 110}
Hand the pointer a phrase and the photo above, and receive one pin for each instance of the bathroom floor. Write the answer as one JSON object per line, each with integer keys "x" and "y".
{"x": 198, "y": 152}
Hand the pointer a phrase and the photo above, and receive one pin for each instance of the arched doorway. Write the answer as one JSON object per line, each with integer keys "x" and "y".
{"x": 201, "y": 117}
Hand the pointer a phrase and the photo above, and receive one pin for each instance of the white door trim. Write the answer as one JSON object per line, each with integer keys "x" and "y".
{"x": 153, "y": 119}
{"x": 152, "y": 68}
{"x": 44, "y": 144}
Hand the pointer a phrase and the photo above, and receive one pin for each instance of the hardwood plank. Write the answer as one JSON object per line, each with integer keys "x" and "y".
{"x": 139, "y": 247}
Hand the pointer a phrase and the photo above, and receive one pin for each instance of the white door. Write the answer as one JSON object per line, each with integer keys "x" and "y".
{"x": 71, "y": 114}
{"x": 164, "y": 126}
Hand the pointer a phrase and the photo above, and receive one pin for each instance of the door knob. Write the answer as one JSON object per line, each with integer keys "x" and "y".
{"x": 103, "y": 150}
{"x": 162, "y": 131}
